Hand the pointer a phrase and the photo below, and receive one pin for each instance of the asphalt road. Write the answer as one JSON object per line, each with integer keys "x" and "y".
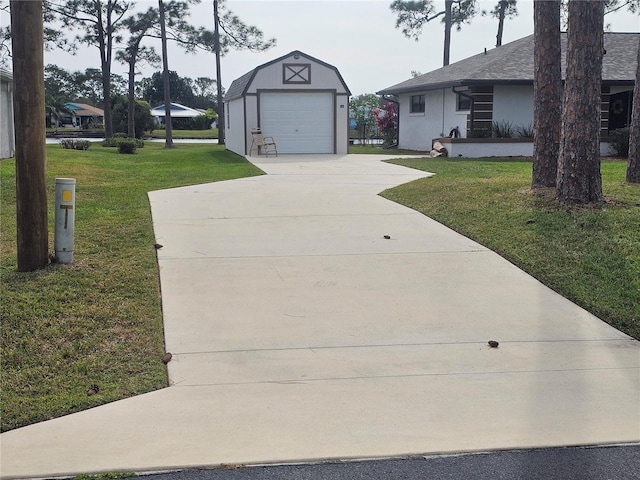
{"x": 584, "y": 463}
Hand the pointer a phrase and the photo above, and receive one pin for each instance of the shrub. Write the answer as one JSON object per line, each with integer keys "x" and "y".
{"x": 143, "y": 120}
{"x": 116, "y": 140}
{"x": 619, "y": 142}
{"x": 71, "y": 144}
{"x": 387, "y": 122}
{"x": 127, "y": 146}
{"x": 201, "y": 122}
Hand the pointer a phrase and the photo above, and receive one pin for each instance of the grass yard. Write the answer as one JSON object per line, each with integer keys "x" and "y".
{"x": 590, "y": 255}
{"x": 198, "y": 134}
{"x": 209, "y": 134}
{"x": 378, "y": 150}
{"x": 98, "y": 321}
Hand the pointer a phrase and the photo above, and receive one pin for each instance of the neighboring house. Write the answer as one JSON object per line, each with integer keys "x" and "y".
{"x": 81, "y": 115}
{"x": 467, "y": 97}
{"x": 300, "y": 101}
{"x": 7, "y": 130}
{"x": 177, "y": 111}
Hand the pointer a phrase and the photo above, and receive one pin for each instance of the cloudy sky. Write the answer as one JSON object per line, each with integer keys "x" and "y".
{"x": 356, "y": 36}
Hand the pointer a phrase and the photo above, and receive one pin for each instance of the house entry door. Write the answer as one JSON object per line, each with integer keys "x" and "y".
{"x": 620, "y": 110}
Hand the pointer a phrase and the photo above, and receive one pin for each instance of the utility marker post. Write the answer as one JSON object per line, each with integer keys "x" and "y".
{"x": 65, "y": 219}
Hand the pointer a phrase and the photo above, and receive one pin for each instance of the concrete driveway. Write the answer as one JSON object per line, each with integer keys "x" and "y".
{"x": 300, "y": 333}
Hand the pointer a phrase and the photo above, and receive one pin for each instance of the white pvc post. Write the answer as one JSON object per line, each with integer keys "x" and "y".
{"x": 64, "y": 219}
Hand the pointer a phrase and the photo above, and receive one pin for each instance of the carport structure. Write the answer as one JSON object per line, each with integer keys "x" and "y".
{"x": 302, "y": 102}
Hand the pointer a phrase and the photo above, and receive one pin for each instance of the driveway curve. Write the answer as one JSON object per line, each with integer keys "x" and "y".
{"x": 311, "y": 319}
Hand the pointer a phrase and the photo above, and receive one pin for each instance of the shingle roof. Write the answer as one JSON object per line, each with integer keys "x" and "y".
{"x": 513, "y": 63}
{"x": 177, "y": 111}
{"x": 240, "y": 85}
{"x": 84, "y": 109}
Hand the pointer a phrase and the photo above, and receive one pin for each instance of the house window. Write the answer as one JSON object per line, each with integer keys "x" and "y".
{"x": 463, "y": 102}
{"x": 417, "y": 104}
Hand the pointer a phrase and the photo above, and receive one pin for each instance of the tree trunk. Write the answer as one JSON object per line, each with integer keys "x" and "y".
{"x": 104, "y": 44}
{"x": 633, "y": 168}
{"x": 106, "y": 94}
{"x": 547, "y": 92}
{"x": 501, "y": 15}
{"x": 448, "y": 4}
{"x": 131, "y": 99}
{"x": 165, "y": 81}
{"x": 31, "y": 157}
{"x": 216, "y": 37}
{"x": 579, "y": 179}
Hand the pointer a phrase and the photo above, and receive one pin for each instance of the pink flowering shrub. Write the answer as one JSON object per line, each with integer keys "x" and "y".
{"x": 387, "y": 121}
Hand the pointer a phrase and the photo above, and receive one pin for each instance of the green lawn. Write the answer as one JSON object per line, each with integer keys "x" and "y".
{"x": 198, "y": 134}
{"x": 211, "y": 133}
{"x": 98, "y": 321}
{"x": 590, "y": 255}
{"x": 378, "y": 150}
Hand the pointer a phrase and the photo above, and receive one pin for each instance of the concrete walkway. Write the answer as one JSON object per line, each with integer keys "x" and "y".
{"x": 300, "y": 333}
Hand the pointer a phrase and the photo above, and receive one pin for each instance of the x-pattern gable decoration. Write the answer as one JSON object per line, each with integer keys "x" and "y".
{"x": 296, "y": 73}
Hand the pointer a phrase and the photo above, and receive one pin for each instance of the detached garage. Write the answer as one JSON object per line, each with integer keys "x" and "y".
{"x": 300, "y": 101}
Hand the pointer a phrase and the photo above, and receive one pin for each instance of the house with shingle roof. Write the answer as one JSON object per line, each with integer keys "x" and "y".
{"x": 177, "y": 111}
{"x": 495, "y": 87}
{"x": 83, "y": 115}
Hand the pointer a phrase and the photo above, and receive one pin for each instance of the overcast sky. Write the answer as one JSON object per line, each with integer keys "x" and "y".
{"x": 356, "y": 36}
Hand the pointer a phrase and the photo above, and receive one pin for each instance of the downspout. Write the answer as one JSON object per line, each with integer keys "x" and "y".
{"x": 470, "y": 97}
{"x": 443, "y": 103}
{"x": 397, "y": 103}
{"x": 12, "y": 126}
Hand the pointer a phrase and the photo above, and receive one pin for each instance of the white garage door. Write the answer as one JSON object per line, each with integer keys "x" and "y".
{"x": 298, "y": 122}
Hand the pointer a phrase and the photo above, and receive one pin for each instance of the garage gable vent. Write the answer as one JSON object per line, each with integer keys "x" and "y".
{"x": 296, "y": 73}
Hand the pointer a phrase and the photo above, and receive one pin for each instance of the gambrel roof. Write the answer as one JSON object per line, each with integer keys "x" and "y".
{"x": 512, "y": 63}
{"x": 240, "y": 85}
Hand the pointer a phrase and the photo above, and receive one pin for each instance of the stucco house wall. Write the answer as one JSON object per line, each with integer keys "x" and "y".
{"x": 439, "y": 118}
{"x": 513, "y": 104}
{"x": 7, "y": 130}
{"x": 264, "y": 93}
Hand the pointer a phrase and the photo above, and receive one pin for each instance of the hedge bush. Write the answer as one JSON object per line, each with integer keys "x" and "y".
{"x": 117, "y": 140}
{"x": 72, "y": 144}
{"x": 127, "y": 146}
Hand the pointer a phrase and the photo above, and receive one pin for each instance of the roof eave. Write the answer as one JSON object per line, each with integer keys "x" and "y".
{"x": 458, "y": 83}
